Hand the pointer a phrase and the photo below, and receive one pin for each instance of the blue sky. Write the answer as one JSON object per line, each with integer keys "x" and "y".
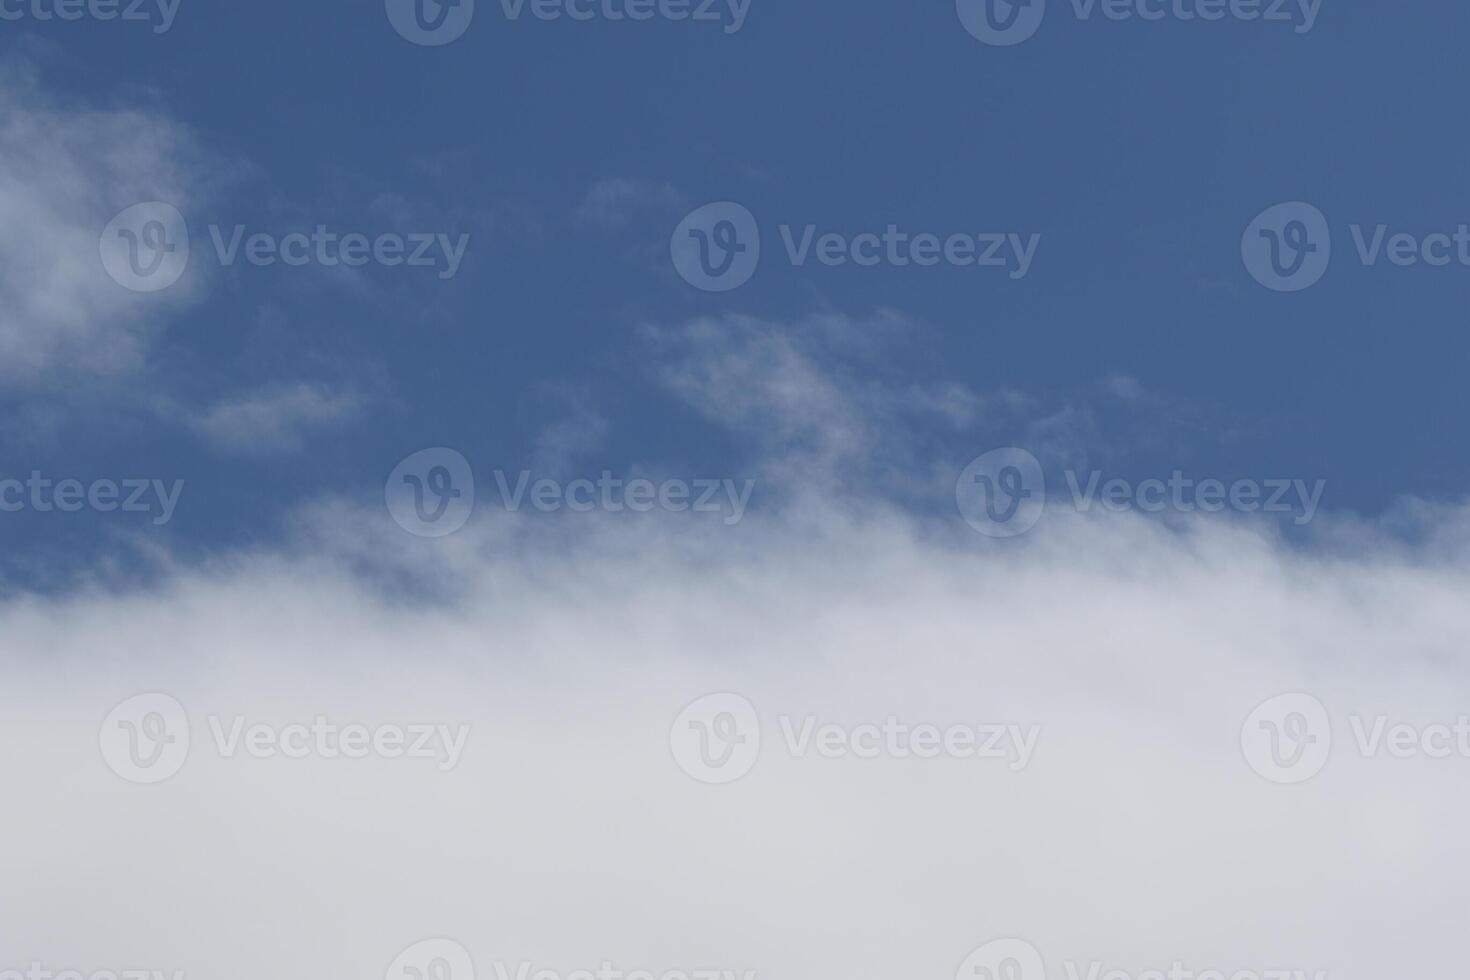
{"x": 1138, "y": 152}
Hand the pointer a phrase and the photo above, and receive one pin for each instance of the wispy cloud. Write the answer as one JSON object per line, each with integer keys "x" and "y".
{"x": 65, "y": 171}
{"x": 275, "y": 419}
{"x": 617, "y": 200}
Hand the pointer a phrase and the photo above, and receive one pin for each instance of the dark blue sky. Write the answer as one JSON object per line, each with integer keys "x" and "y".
{"x": 1138, "y": 151}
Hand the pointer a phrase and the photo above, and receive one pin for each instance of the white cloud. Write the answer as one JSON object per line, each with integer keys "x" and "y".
{"x": 276, "y": 418}
{"x": 616, "y": 200}
{"x": 65, "y": 171}
{"x": 569, "y": 836}
{"x": 819, "y": 399}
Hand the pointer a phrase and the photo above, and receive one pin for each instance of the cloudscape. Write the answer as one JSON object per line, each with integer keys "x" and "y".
{"x": 682, "y": 490}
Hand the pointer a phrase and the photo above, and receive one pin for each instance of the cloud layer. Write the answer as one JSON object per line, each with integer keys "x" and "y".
{"x": 569, "y": 834}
